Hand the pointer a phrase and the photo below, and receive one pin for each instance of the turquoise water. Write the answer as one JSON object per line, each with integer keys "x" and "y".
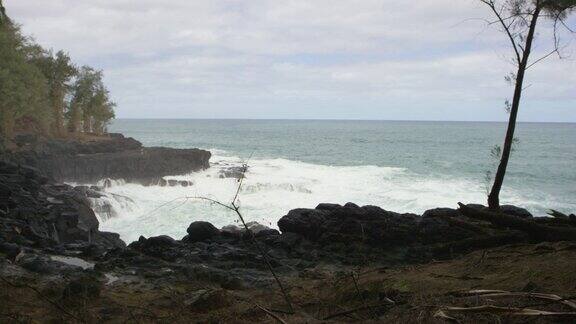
{"x": 402, "y": 166}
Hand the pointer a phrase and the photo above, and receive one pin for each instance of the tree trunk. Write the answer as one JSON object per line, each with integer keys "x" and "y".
{"x": 86, "y": 123}
{"x": 494, "y": 197}
{"x": 98, "y": 127}
{"x": 3, "y": 17}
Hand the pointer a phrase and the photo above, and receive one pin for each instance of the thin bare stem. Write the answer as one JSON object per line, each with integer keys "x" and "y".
{"x": 235, "y": 208}
{"x": 542, "y": 58}
{"x": 266, "y": 259}
{"x": 506, "y": 29}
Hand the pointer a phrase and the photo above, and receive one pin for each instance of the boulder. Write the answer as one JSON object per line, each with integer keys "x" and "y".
{"x": 256, "y": 228}
{"x": 351, "y": 223}
{"x": 108, "y": 240}
{"x": 506, "y": 209}
{"x": 306, "y": 222}
{"x": 325, "y": 206}
{"x": 440, "y": 227}
{"x": 162, "y": 240}
{"x": 516, "y": 211}
{"x": 441, "y": 212}
{"x": 201, "y": 231}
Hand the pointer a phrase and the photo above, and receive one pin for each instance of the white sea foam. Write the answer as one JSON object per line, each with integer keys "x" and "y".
{"x": 272, "y": 187}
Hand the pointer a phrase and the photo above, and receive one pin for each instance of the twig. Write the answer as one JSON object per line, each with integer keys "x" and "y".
{"x": 266, "y": 259}
{"x": 274, "y": 316}
{"x": 353, "y": 275}
{"x": 555, "y": 50}
{"x": 235, "y": 208}
{"x": 506, "y": 29}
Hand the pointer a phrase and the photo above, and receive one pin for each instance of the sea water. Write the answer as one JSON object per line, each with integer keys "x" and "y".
{"x": 399, "y": 166}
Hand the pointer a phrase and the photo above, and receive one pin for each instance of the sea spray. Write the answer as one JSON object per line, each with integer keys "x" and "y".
{"x": 273, "y": 187}
{"x": 110, "y": 205}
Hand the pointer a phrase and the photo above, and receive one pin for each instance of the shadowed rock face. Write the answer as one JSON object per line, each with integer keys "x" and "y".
{"x": 116, "y": 157}
{"x": 36, "y": 212}
{"x": 374, "y": 226}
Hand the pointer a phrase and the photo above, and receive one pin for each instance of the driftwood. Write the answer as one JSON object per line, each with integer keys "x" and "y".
{"x": 562, "y": 218}
{"x": 557, "y": 214}
{"x": 502, "y": 293}
{"x": 269, "y": 313}
{"x": 537, "y": 232}
{"x": 449, "y": 312}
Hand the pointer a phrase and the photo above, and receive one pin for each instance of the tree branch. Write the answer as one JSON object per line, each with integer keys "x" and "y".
{"x": 506, "y": 28}
{"x": 543, "y": 58}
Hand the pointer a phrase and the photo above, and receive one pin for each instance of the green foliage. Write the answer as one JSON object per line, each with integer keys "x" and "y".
{"x": 559, "y": 8}
{"x": 42, "y": 91}
{"x": 102, "y": 109}
{"x": 91, "y": 102}
{"x": 59, "y": 72}
{"x": 83, "y": 91}
{"x": 23, "y": 89}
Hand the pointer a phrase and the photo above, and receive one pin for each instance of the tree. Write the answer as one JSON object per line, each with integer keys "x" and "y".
{"x": 2, "y": 14}
{"x": 22, "y": 86}
{"x": 102, "y": 110}
{"x": 59, "y": 72}
{"x": 518, "y": 19}
{"x": 80, "y": 105}
{"x": 91, "y": 108}
{"x": 37, "y": 92}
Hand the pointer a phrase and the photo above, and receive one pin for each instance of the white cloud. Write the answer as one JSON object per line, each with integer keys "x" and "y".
{"x": 205, "y": 57}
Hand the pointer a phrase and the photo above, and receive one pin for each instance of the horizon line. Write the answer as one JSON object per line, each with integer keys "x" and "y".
{"x": 342, "y": 119}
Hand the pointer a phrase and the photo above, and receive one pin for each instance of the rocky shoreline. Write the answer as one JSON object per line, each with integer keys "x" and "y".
{"x": 51, "y": 249}
{"x": 110, "y": 157}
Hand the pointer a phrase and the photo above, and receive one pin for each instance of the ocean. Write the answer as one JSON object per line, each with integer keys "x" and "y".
{"x": 402, "y": 166}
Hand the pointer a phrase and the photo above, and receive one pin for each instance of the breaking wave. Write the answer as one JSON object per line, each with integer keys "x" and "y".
{"x": 272, "y": 187}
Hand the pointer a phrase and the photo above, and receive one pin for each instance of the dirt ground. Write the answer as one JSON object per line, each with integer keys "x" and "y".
{"x": 411, "y": 294}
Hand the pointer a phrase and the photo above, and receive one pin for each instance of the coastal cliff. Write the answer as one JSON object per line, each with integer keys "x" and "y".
{"x": 110, "y": 157}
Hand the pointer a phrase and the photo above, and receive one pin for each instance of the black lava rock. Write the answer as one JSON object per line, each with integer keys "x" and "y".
{"x": 201, "y": 231}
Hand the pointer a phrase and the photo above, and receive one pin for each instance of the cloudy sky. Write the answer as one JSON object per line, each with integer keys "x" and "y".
{"x": 332, "y": 59}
